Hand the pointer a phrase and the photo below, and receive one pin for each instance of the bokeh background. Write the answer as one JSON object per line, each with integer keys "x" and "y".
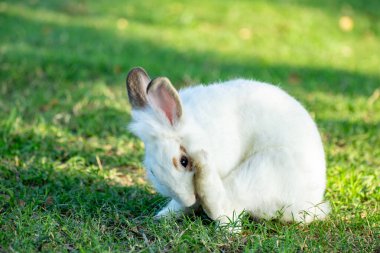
{"x": 71, "y": 177}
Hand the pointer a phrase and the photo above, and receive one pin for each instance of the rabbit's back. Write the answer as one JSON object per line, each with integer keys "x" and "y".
{"x": 234, "y": 119}
{"x": 252, "y": 113}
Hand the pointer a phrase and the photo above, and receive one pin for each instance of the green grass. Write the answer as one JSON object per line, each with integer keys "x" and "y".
{"x": 71, "y": 177}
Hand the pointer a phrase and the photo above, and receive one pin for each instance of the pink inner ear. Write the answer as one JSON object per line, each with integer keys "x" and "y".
{"x": 163, "y": 100}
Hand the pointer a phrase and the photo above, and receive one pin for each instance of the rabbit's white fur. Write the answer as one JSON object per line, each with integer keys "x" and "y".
{"x": 258, "y": 149}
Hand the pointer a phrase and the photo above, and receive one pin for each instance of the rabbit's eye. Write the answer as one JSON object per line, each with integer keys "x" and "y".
{"x": 184, "y": 161}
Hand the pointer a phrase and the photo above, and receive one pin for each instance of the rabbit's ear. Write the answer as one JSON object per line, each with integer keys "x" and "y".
{"x": 163, "y": 96}
{"x": 137, "y": 83}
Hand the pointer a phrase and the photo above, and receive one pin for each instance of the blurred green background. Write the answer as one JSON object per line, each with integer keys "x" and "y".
{"x": 70, "y": 173}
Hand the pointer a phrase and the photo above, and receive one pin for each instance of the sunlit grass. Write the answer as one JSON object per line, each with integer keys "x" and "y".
{"x": 71, "y": 177}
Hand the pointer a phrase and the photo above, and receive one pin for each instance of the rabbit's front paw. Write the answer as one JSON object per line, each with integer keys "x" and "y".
{"x": 200, "y": 158}
{"x": 164, "y": 212}
{"x": 200, "y": 161}
{"x": 173, "y": 208}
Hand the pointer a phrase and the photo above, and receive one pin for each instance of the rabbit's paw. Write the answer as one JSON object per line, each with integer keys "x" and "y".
{"x": 200, "y": 158}
{"x": 164, "y": 212}
{"x": 173, "y": 208}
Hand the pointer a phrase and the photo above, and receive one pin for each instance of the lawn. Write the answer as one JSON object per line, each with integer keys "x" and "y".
{"x": 71, "y": 177}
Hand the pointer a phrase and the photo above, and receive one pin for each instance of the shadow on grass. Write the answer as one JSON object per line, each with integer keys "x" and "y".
{"x": 47, "y": 185}
{"x": 46, "y": 207}
{"x": 56, "y": 63}
{"x": 42, "y": 183}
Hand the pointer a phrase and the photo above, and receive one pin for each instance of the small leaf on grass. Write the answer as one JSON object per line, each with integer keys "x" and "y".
{"x": 49, "y": 201}
{"x": 21, "y": 203}
{"x": 122, "y": 23}
{"x": 135, "y": 230}
{"x": 346, "y": 23}
{"x": 52, "y": 103}
{"x": 245, "y": 33}
{"x": 374, "y": 97}
{"x": 294, "y": 78}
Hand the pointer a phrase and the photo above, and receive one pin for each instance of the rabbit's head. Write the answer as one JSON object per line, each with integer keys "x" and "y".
{"x": 156, "y": 116}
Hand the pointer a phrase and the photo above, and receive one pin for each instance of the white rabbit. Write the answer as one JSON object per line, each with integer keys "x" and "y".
{"x": 256, "y": 148}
